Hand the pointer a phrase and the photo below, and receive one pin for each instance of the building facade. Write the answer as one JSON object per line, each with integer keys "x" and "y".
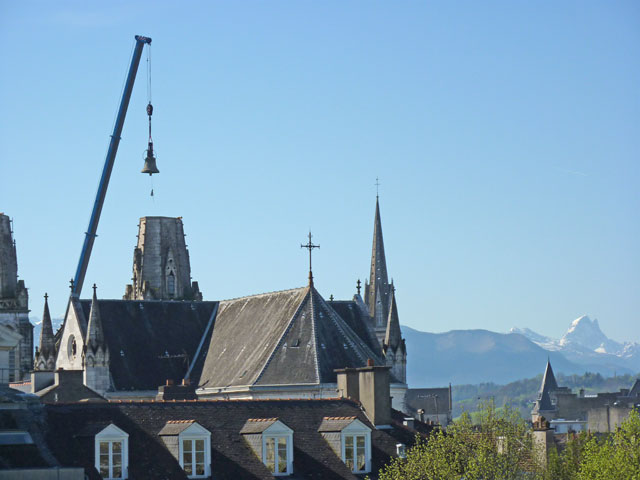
{"x": 14, "y": 308}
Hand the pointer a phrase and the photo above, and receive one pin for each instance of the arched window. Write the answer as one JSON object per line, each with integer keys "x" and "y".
{"x": 171, "y": 284}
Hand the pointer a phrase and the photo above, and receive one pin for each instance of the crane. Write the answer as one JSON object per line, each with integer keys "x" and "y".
{"x": 90, "y": 234}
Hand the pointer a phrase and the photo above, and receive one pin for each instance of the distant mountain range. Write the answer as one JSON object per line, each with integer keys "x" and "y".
{"x": 477, "y": 356}
{"x": 584, "y": 343}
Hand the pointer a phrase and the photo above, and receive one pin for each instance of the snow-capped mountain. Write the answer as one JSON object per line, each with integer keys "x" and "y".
{"x": 584, "y": 342}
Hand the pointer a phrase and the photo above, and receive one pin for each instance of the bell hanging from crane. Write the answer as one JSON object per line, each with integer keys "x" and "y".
{"x": 150, "y": 160}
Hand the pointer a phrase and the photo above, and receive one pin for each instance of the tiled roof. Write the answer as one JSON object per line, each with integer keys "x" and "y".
{"x": 232, "y": 457}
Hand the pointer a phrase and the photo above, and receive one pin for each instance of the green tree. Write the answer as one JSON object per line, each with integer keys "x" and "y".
{"x": 614, "y": 456}
{"x": 498, "y": 448}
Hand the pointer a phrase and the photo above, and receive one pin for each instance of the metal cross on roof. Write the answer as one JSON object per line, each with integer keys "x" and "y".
{"x": 310, "y": 246}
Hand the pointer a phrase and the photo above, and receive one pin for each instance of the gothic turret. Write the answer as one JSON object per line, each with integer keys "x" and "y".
{"x": 95, "y": 354}
{"x": 394, "y": 346}
{"x": 377, "y": 289}
{"x": 161, "y": 267}
{"x": 46, "y": 353}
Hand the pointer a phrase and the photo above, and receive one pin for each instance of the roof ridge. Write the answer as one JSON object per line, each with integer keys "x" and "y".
{"x": 256, "y": 295}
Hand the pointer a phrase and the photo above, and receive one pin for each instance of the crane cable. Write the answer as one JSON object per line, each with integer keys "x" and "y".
{"x": 149, "y": 109}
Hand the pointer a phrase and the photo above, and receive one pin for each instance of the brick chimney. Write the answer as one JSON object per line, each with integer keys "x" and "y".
{"x": 176, "y": 392}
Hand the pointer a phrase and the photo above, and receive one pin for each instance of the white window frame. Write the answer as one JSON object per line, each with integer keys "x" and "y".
{"x": 355, "y": 429}
{"x": 112, "y": 434}
{"x": 276, "y": 431}
{"x": 192, "y": 433}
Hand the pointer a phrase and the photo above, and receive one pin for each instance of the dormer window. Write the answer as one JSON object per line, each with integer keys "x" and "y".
{"x": 272, "y": 441}
{"x": 190, "y": 444}
{"x": 352, "y": 445}
{"x": 112, "y": 453}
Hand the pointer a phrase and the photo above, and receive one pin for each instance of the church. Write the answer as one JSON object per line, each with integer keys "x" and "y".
{"x": 285, "y": 344}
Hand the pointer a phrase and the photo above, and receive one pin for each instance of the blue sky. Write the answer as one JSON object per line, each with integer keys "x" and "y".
{"x": 505, "y": 136}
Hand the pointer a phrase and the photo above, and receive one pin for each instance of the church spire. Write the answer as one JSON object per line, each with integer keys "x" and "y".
{"x": 393, "y": 336}
{"x": 46, "y": 350}
{"x": 95, "y": 334}
{"x": 377, "y": 290}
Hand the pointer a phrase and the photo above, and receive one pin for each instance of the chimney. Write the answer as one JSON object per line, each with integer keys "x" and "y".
{"x": 176, "y": 392}
{"x": 409, "y": 422}
{"x": 373, "y": 386}
{"x": 370, "y": 386}
{"x": 421, "y": 414}
{"x": 348, "y": 383}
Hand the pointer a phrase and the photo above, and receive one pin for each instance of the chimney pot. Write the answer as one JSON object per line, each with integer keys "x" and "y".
{"x": 369, "y": 362}
{"x": 169, "y": 381}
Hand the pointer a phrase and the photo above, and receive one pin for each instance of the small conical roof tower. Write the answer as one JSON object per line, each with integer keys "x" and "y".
{"x": 95, "y": 334}
{"x": 548, "y": 385}
{"x": 377, "y": 291}
{"x": 393, "y": 336}
{"x": 548, "y": 380}
{"x": 46, "y": 349}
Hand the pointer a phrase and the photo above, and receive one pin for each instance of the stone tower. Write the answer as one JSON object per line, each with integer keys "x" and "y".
{"x": 14, "y": 303}
{"x": 379, "y": 297}
{"x": 95, "y": 354}
{"x": 161, "y": 267}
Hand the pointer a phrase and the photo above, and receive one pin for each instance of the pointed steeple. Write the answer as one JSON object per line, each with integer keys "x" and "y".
{"x": 95, "y": 334}
{"x": 393, "y": 336}
{"x": 548, "y": 385}
{"x": 548, "y": 380}
{"x": 46, "y": 351}
{"x": 377, "y": 289}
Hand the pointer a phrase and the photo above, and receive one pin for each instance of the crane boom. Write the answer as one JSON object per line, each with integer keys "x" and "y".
{"x": 90, "y": 235}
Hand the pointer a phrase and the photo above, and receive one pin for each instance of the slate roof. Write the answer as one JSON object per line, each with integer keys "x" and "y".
{"x": 150, "y": 341}
{"x": 548, "y": 385}
{"x": 231, "y": 456}
{"x": 425, "y": 398}
{"x": 175, "y": 427}
{"x": 257, "y": 425}
{"x": 281, "y": 338}
{"x": 335, "y": 424}
{"x": 635, "y": 389}
{"x": 70, "y": 389}
{"x": 359, "y": 321}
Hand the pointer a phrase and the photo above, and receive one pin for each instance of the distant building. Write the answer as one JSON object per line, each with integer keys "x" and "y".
{"x": 567, "y": 411}
{"x": 17, "y": 361}
{"x": 431, "y": 405}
